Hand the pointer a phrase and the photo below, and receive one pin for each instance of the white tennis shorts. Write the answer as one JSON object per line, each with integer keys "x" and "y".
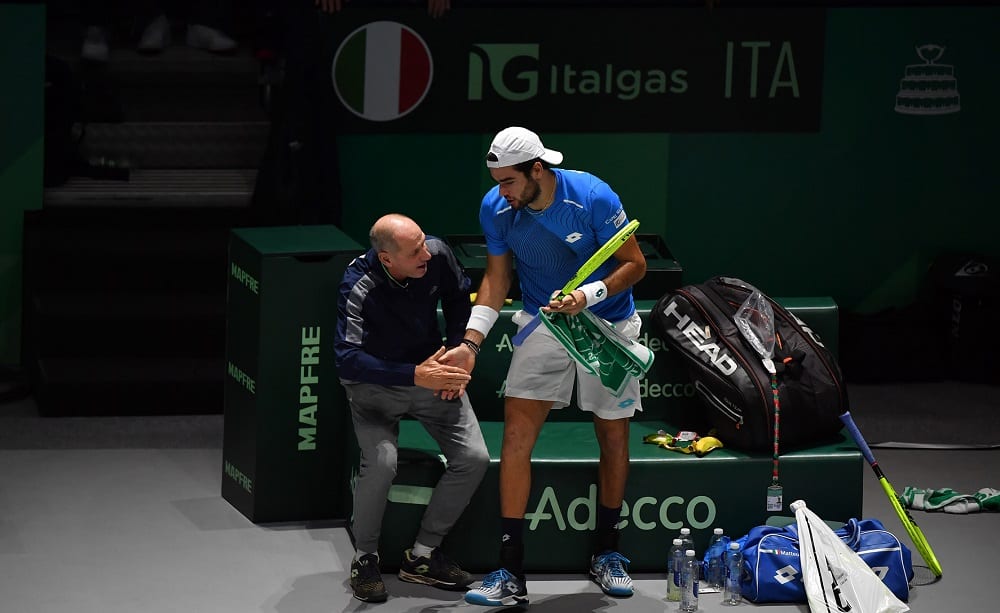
{"x": 541, "y": 369}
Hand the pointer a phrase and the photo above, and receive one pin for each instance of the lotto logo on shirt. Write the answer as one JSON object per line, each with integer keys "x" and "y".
{"x": 382, "y": 71}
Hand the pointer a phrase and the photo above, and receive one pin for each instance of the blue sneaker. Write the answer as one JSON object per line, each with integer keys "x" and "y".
{"x": 499, "y": 589}
{"x": 608, "y": 570}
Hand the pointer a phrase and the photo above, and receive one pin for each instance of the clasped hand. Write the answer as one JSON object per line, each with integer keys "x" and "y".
{"x": 447, "y": 381}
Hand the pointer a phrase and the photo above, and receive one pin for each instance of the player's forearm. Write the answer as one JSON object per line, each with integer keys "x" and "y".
{"x": 492, "y": 291}
{"x": 624, "y": 276}
{"x": 491, "y": 294}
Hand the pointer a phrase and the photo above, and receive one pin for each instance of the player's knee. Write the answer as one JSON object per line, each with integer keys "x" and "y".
{"x": 613, "y": 440}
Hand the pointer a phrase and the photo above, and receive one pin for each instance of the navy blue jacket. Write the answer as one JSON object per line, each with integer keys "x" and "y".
{"x": 385, "y": 329}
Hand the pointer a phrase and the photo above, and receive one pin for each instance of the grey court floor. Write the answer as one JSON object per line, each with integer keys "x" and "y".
{"x": 132, "y": 521}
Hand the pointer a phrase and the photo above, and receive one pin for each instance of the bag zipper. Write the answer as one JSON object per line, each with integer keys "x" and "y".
{"x": 720, "y": 406}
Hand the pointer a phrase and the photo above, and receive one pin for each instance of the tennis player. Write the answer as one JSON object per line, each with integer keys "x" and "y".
{"x": 550, "y": 221}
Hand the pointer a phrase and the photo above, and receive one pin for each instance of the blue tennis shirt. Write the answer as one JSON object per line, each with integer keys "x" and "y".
{"x": 550, "y": 246}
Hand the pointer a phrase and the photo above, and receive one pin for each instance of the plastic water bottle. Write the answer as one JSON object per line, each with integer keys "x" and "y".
{"x": 674, "y": 567}
{"x": 687, "y": 539}
{"x": 731, "y": 593}
{"x": 689, "y": 583}
{"x": 714, "y": 569}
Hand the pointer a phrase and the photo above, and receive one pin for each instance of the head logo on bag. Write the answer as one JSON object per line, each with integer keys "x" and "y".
{"x": 698, "y": 337}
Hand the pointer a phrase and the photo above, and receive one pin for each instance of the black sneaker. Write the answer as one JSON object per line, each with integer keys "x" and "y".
{"x": 366, "y": 580}
{"x": 436, "y": 570}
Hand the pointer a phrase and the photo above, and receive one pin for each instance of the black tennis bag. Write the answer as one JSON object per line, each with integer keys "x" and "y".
{"x": 730, "y": 378}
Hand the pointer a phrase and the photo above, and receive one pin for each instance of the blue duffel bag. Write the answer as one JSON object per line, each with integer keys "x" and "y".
{"x": 772, "y": 572}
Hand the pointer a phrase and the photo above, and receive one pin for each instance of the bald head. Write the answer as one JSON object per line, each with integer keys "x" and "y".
{"x": 388, "y": 230}
{"x": 401, "y": 246}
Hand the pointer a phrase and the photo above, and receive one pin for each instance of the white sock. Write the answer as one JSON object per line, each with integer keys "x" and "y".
{"x": 421, "y": 551}
{"x": 360, "y": 554}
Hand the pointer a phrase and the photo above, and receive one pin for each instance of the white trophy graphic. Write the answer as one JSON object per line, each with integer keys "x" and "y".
{"x": 928, "y": 88}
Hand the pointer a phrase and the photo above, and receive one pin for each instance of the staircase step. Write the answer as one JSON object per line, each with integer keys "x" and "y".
{"x": 180, "y": 63}
{"x": 183, "y": 84}
{"x": 216, "y": 187}
{"x": 174, "y": 145}
{"x": 179, "y": 84}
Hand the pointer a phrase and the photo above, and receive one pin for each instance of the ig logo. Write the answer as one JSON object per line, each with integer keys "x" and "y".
{"x": 497, "y": 56}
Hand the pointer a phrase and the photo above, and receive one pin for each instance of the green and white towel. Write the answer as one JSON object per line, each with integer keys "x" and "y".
{"x": 599, "y": 348}
{"x": 948, "y": 500}
{"x": 989, "y": 499}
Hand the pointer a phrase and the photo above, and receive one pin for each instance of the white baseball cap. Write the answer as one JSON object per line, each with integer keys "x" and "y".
{"x": 515, "y": 145}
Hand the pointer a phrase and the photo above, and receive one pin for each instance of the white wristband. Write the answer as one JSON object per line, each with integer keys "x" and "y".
{"x": 594, "y": 292}
{"x": 482, "y": 319}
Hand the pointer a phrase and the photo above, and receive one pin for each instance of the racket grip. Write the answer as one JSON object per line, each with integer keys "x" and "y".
{"x": 526, "y": 330}
{"x": 856, "y": 435}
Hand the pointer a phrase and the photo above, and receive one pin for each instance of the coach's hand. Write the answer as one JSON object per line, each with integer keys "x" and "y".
{"x": 439, "y": 377}
{"x": 461, "y": 356}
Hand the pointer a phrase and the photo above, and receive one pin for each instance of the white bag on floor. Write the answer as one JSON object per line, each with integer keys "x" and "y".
{"x": 835, "y": 577}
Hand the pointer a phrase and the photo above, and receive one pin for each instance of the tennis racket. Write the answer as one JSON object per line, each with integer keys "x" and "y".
{"x": 600, "y": 256}
{"x": 916, "y": 534}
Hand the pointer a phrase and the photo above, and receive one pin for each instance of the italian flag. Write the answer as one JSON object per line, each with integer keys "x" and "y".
{"x": 382, "y": 71}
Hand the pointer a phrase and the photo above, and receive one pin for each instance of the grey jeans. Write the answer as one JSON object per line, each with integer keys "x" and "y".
{"x": 376, "y": 411}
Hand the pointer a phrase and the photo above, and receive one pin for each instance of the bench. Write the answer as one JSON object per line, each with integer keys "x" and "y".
{"x": 288, "y": 455}
{"x": 666, "y": 489}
